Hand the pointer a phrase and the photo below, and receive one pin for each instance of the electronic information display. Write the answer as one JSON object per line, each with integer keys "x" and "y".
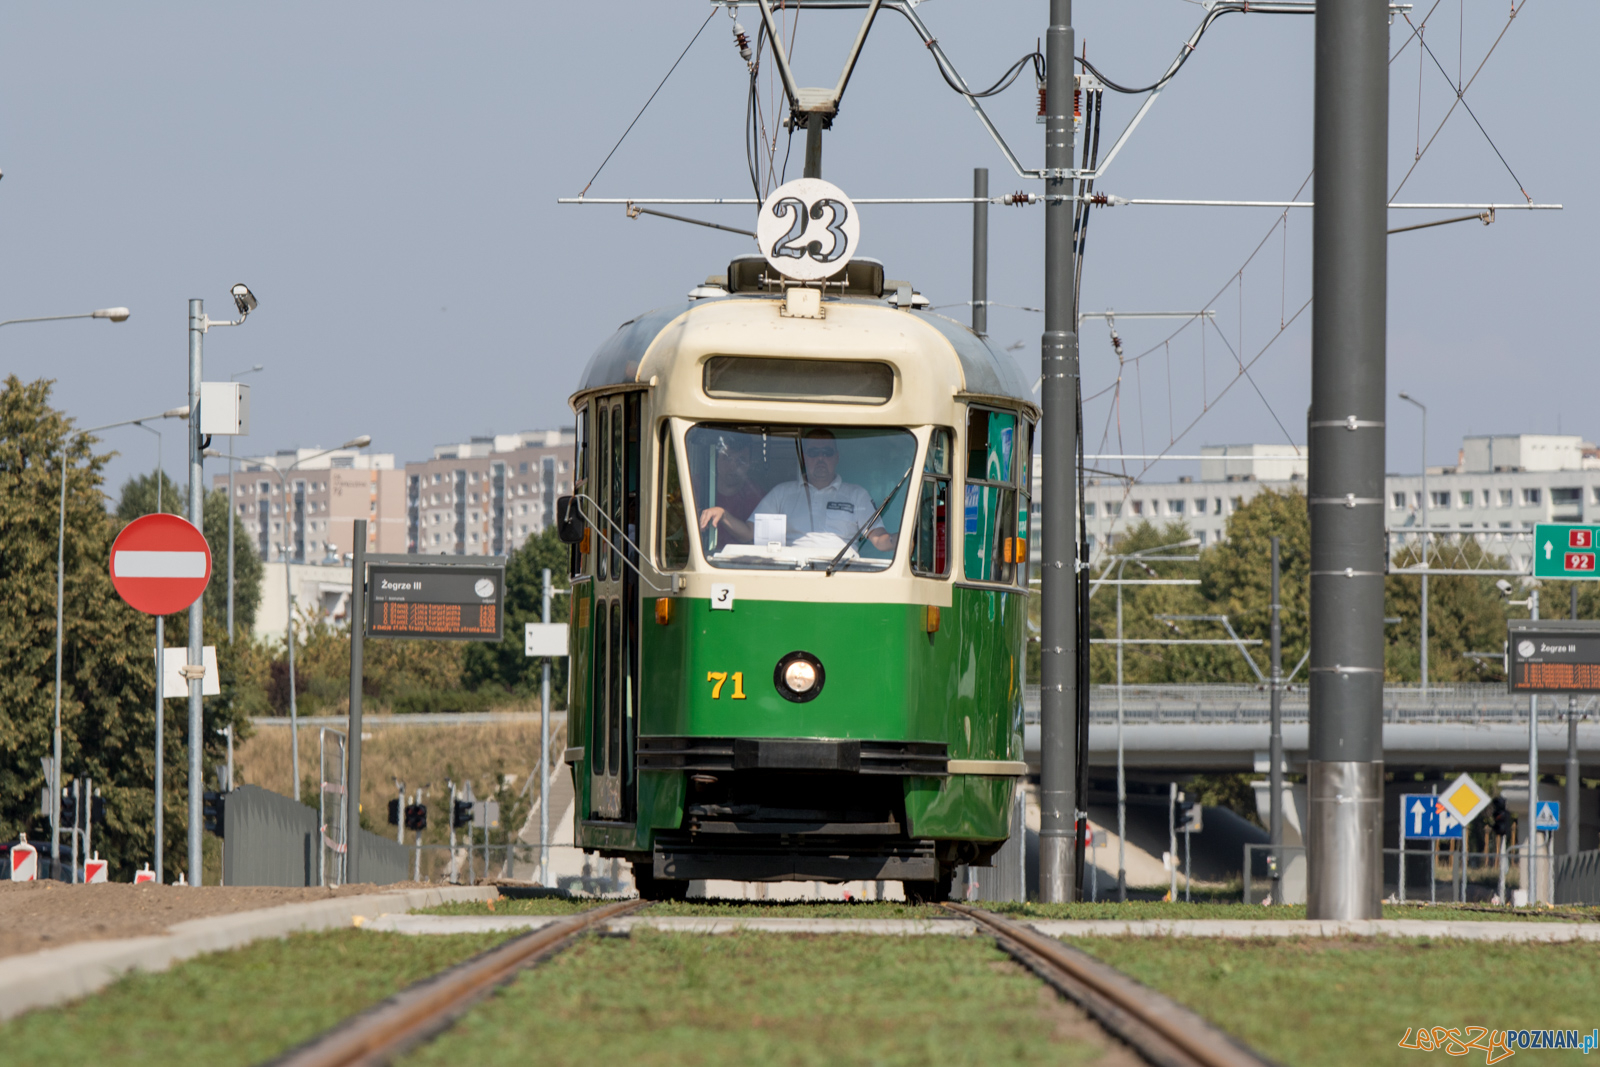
{"x": 455, "y": 602}
{"x": 1554, "y": 656}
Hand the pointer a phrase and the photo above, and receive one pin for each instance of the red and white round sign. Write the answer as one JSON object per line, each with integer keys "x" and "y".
{"x": 160, "y": 564}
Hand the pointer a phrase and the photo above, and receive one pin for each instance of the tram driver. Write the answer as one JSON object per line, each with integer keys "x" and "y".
{"x": 818, "y": 502}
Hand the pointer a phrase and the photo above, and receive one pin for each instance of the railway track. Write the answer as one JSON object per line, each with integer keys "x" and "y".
{"x": 417, "y": 1013}
{"x": 1155, "y": 1027}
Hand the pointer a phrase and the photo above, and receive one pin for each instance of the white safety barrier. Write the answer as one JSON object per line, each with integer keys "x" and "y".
{"x": 24, "y": 861}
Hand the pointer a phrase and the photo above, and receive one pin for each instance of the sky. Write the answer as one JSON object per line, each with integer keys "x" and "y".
{"x": 384, "y": 177}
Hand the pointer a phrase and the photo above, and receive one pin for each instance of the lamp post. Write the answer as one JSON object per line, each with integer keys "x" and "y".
{"x": 111, "y": 314}
{"x": 61, "y": 561}
{"x": 288, "y": 588}
{"x": 233, "y": 378}
{"x": 199, "y": 325}
{"x": 1426, "y": 500}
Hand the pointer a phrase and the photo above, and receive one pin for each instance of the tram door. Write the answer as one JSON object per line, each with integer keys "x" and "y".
{"x": 615, "y": 676}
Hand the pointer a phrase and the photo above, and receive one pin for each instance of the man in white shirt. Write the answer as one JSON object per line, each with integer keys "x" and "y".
{"x": 818, "y": 502}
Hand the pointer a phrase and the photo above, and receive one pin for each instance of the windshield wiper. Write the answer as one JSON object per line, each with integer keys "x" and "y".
{"x": 867, "y": 526}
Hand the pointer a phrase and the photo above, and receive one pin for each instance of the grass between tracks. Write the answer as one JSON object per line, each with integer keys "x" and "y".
{"x": 236, "y": 1007}
{"x": 658, "y": 998}
{"x": 1345, "y": 1001}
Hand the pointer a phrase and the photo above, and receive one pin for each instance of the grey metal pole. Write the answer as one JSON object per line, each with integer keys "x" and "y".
{"x": 814, "y": 122}
{"x": 288, "y": 600}
{"x": 1346, "y": 446}
{"x": 1532, "y": 835}
{"x": 358, "y": 622}
{"x": 197, "y": 609}
{"x": 980, "y": 251}
{"x": 1122, "y": 776}
{"x": 1573, "y": 771}
{"x": 1172, "y": 840}
{"x": 1058, "y": 719}
{"x": 61, "y": 586}
{"x": 161, "y": 740}
{"x": 1427, "y": 556}
{"x": 230, "y": 539}
{"x": 1275, "y": 743}
{"x": 544, "y": 753}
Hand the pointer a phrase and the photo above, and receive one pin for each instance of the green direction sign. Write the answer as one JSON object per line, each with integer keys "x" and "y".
{"x": 1563, "y": 551}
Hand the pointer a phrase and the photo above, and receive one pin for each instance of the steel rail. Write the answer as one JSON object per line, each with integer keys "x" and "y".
{"x": 1156, "y": 1027}
{"x": 420, "y": 1011}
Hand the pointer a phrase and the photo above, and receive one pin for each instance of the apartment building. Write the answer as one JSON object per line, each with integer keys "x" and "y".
{"x": 488, "y": 495}
{"x": 1500, "y": 487}
{"x": 298, "y": 502}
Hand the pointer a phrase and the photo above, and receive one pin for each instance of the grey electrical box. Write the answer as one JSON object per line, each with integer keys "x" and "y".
{"x": 224, "y": 409}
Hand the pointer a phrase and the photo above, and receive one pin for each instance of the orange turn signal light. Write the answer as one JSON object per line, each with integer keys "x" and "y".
{"x": 663, "y": 610}
{"x": 930, "y": 619}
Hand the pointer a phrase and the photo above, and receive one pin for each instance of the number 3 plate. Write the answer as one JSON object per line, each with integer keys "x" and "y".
{"x": 808, "y": 229}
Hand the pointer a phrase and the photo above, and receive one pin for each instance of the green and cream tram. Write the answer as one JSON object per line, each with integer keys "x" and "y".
{"x": 799, "y": 587}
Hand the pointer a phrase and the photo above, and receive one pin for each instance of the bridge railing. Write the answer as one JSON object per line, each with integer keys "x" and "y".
{"x": 1146, "y": 704}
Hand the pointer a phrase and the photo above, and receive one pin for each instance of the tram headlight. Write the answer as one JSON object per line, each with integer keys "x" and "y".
{"x": 799, "y": 677}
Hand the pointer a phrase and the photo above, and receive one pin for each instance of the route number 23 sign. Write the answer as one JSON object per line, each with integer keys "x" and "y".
{"x": 808, "y": 229}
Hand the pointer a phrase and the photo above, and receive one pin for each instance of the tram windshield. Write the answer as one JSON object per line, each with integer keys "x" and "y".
{"x": 817, "y": 498}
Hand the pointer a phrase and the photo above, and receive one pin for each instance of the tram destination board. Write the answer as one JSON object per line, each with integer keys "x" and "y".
{"x": 441, "y": 603}
{"x": 1554, "y": 656}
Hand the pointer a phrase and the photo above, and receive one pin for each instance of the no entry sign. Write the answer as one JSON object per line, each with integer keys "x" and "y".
{"x": 160, "y": 564}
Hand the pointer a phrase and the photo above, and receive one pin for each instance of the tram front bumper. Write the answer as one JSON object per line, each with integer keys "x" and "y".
{"x": 718, "y": 754}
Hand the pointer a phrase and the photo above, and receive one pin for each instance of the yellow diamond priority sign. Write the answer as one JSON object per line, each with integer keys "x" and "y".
{"x": 1464, "y": 799}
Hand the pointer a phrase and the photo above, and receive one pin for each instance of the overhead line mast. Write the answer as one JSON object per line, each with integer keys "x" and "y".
{"x": 1058, "y": 756}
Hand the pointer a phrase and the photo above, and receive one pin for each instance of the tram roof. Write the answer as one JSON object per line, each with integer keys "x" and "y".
{"x": 985, "y": 370}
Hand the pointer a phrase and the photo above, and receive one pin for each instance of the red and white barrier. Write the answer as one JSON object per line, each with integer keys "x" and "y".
{"x": 146, "y": 875}
{"x": 94, "y": 870}
{"x": 24, "y": 861}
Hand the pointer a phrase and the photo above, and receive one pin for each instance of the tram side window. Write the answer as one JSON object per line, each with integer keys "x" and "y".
{"x": 580, "y": 486}
{"x": 673, "y": 549}
{"x": 602, "y": 494}
{"x": 930, "y": 552}
{"x": 990, "y": 543}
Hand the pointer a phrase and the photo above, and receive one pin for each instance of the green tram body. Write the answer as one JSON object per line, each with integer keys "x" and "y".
{"x": 904, "y": 761}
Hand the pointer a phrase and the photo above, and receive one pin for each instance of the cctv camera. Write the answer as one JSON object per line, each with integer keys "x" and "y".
{"x": 1504, "y": 587}
{"x": 243, "y": 299}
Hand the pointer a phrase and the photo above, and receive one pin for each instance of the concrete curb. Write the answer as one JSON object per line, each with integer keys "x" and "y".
{"x": 677, "y": 924}
{"x": 57, "y": 975}
{"x": 1249, "y": 928}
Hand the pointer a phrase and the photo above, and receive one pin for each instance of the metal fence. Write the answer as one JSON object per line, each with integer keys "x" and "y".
{"x": 1250, "y": 704}
{"x": 1006, "y": 877}
{"x": 1577, "y": 878}
{"x": 272, "y": 840}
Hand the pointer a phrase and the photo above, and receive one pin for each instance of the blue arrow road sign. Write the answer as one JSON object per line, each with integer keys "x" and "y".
{"x": 1547, "y": 816}
{"x": 1422, "y": 816}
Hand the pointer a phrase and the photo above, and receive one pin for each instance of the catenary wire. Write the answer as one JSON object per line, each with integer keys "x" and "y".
{"x": 637, "y": 117}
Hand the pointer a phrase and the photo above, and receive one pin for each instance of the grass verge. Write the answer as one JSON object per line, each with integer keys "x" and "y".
{"x": 657, "y": 998}
{"x": 236, "y": 1007}
{"x": 1330, "y": 1003}
{"x": 1133, "y": 910}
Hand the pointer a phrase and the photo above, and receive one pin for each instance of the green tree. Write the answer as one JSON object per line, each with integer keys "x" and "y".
{"x": 504, "y": 664}
{"x": 108, "y": 683}
{"x": 1141, "y": 606}
{"x": 138, "y": 498}
{"x": 1237, "y": 576}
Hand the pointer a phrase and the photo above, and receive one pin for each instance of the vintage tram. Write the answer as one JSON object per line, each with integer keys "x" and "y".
{"x": 799, "y": 587}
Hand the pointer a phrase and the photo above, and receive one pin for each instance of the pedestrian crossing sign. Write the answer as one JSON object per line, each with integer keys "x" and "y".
{"x": 1547, "y": 816}
{"x": 1463, "y": 799}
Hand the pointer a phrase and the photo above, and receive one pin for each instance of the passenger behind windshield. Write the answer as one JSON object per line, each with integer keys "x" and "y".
{"x": 811, "y": 512}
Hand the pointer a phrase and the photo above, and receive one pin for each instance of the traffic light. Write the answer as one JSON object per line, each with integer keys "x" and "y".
{"x": 1189, "y": 816}
{"x": 394, "y": 811}
{"x": 1500, "y": 819}
{"x": 69, "y": 808}
{"x": 416, "y": 817}
{"x": 462, "y": 815}
{"x": 97, "y": 810}
{"x": 211, "y": 808}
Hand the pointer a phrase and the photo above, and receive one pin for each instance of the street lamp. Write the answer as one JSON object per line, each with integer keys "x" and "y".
{"x": 199, "y": 325}
{"x": 288, "y": 589}
{"x": 235, "y": 376}
{"x": 1122, "y": 779}
{"x": 61, "y": 583}
{"x": 1408, "y": 398}
{"x": 113, "y": 314}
